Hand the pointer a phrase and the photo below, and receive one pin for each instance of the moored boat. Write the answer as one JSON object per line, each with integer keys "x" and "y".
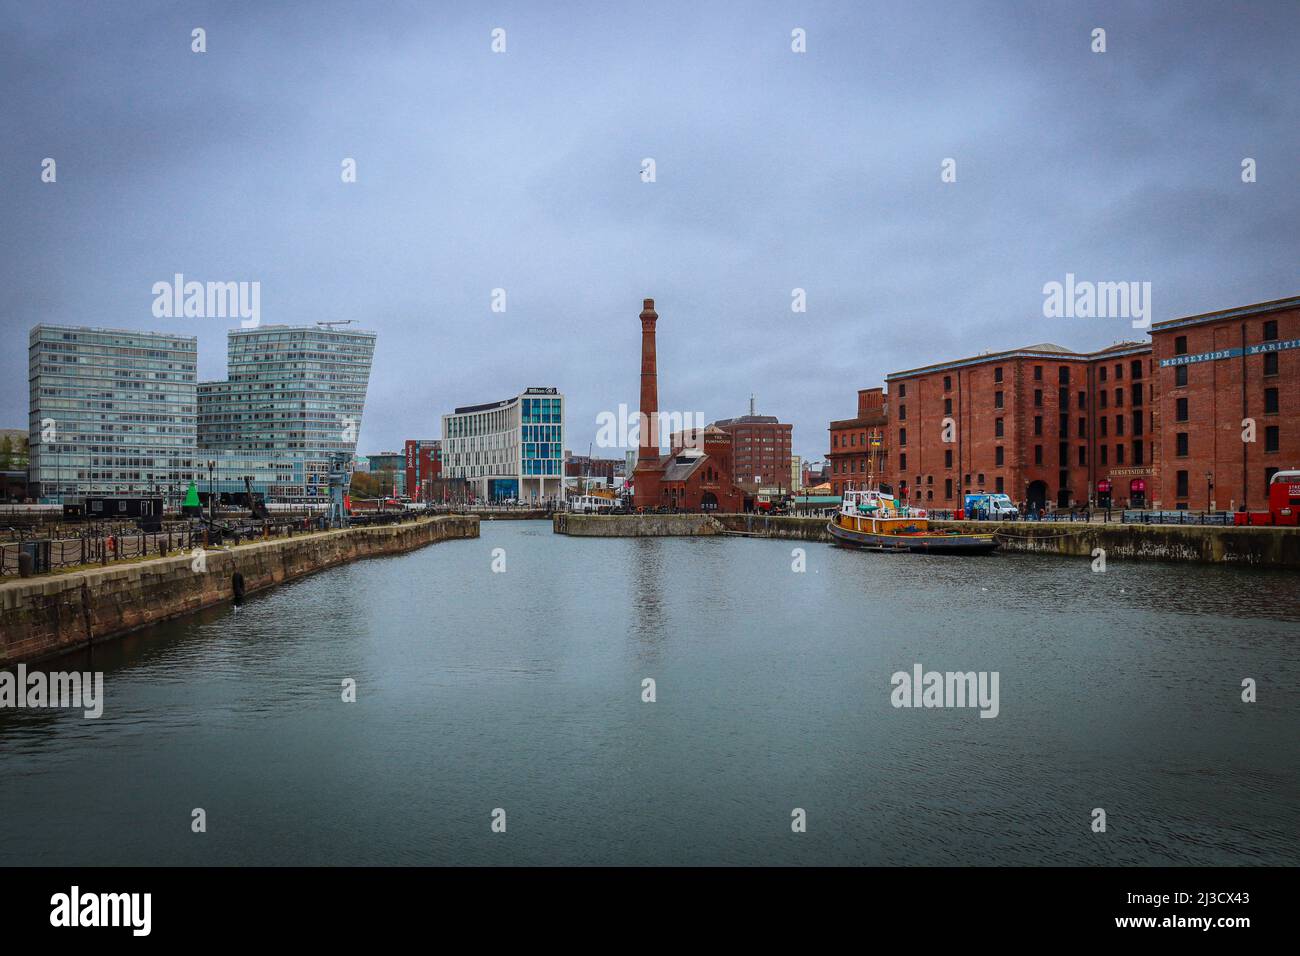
{"x": 876, "y": 521}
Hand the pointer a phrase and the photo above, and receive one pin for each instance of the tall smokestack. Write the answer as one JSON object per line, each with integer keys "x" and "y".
{"x": 649, "y": 450}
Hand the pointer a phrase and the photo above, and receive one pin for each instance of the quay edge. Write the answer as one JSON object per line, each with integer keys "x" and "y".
{"x": 1252, "y": 546}
{"x": 54, "y": 614}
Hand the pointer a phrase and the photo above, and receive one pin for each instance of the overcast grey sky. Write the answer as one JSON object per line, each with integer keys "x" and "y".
{"x": 521, "y": 170}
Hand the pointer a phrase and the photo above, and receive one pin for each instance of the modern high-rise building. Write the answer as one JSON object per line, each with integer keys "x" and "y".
{"x": 288, "y": 389}
{"x": 293, "y": 395}
{"x": 508, "y": 449}
{"x": 111, "y": 412}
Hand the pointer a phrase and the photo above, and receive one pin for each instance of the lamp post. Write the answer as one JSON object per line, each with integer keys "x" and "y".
{"x": 1209, "y": 484}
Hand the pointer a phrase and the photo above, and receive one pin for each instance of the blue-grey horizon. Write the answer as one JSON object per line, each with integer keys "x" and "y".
{"x": 919, "y": 173}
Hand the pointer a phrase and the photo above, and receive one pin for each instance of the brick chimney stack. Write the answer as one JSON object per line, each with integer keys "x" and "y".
{"x": 649, "y": 451}
{"x": 649, "y": 470}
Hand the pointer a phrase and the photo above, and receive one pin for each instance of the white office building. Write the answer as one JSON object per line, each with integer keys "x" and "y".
{"x": 512, "y": 449}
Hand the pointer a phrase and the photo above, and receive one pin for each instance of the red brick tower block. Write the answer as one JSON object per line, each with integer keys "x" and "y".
{"x": 649, "y": 469}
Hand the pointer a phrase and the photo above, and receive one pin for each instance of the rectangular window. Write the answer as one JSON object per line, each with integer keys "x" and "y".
{"x": 1270, "y": 330}
{"x": 1137, "y": 453}
{"x": 1101, "y": 373}
{"x": 1038, "y": 454}
{"x": 1119, "y": 424}
{"x": 1083, "y": 427}
{"x": 1180, "y": 345}
{"x": 1038, "y": 398}
{"x": 1137, "y": 423}
{"x": 1180, "y": 376}
{"x": 947, "y": 406}
{"x": 1272, "y": 438}
{"x": 1038, "y": 424}
{"x": 902, "y": 413}
{"x": 997, "y": 374}
{"x": 1119, "y": 454}
{"x": 998, "y": 485}
{"x": 902, "y": 438}
{"x": 947, "y": 458}
{"x": 997, "y": 422}
{"x": 1180, "y": 410}
{"x": 997, "y": 399}
{"x": 1270, "y": 401}
{"x": 947, "y": 488}
{"x": 1104, "y": 449}
{"x": 1270, "y": 363}
{"x": 997, "y": 456}
{"x": 902, "y": 460}
{"x": 1083, "y": 455}
{"x": 1181, "y": 444}
{"x": 1038, "y": 373}
{"x": 1135, "y": 368}
{"x": 1103, "y": 399}
{"x": 1063, "y": 398}
{"x": 1180, "y": 479}
{"x": 1063, "y": 375}
{"x": 1083, "y": 400}
{"x": 1119, "y": 397}
{"x": 902, "y": 390}
{"x": 947, "y": 383}
{"x": 1063, "y": 430}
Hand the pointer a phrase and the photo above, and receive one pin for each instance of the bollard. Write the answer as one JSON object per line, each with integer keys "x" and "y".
{"x": 26, "y": 565}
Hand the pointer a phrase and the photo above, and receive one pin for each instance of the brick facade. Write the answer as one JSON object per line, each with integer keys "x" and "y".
{"x": 1041, "y": 424}
{"x": 1122, "y": 427}
{"x": 1217, "y": 373}
{"x": 859, "y": 450}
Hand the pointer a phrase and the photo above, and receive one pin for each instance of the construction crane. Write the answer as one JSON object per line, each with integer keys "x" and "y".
{"x": 327, "y": 325}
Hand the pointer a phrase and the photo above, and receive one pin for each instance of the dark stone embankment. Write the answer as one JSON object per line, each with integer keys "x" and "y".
{"x": 42, "y": 617}
{"x": 1258, "y": 547}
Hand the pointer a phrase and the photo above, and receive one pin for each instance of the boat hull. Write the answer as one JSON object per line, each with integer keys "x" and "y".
{"x": 925, "y": 543}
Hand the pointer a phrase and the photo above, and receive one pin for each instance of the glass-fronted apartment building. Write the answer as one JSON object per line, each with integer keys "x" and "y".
{"x": 292, "y": 396}
{"x": 512, "y": 449}
{"x": 111, "y": 412}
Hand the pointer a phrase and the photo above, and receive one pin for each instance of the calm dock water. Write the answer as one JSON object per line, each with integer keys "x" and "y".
{"x": 523, "y": 690}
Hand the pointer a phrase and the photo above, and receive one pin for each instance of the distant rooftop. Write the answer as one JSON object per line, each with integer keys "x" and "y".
{"x": 1043, "y": 350}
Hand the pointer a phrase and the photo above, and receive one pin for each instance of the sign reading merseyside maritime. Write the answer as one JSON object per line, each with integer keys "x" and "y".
{"x": 1231, "y": 353}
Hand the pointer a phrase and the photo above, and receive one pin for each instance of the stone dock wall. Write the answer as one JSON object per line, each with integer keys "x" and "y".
{"x": 1259, "y": 547}
{"x": 52, "y": 614}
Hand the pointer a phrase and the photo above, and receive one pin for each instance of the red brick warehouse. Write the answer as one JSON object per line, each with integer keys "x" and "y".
{"x": 1229, "y": 387}
{"x": 859, "y": 452}
{"x": 1139, "y": 424}
{"x": 1024, "y": 422}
